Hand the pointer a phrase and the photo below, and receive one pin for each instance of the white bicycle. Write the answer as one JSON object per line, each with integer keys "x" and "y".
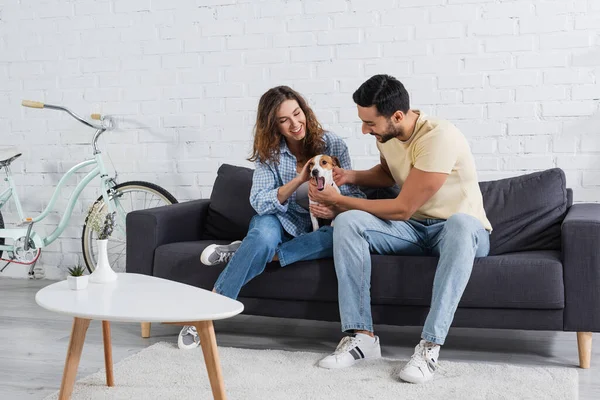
{"x": 25, "y": 244}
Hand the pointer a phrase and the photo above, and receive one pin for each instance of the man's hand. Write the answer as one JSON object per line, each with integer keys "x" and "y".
{"x": 342, "y": 176}
{"x": 327, "y": 197}
{"x": 321, "y": 211}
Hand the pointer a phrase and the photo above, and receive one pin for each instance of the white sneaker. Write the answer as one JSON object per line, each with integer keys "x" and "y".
{"x": 422, "y": 365}
{"x": 352, "y": 349}
{"x": 218, "y": 254}
{"x": 188, "y": 338}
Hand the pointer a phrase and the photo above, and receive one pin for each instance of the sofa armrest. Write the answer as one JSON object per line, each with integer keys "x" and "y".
{"x": 581, "y": 268}
{"x": 148, "y": 229}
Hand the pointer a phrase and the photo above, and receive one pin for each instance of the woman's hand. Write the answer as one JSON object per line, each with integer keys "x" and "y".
{"x": 284, "y": 192}
{"x": 342, "y": 176}
{"x": 305, "y": 173}
{"x": 321, "y": 211}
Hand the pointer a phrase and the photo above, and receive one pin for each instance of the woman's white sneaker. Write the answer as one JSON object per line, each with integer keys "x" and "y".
{"x": 188, "y": 338}
{"x": 422, "y": 365}
{"x": 351, "y": 350}
{"x": 219, "y": 254}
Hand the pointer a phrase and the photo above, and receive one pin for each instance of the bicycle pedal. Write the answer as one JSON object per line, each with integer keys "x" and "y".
{"x": 25, "y": 222}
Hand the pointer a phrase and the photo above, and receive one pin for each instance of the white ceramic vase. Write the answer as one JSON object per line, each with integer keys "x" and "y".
{"x": 103, "y": 273}
{"x": 77, "y": 282}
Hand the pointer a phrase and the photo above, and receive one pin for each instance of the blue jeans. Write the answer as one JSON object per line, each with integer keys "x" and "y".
{"x": 265, "y": 238}
{"x": 457, "y": 241}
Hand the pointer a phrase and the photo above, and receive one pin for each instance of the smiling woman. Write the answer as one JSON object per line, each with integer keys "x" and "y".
{"x": 287, "y": 135}
{"x": 284, "y": 115}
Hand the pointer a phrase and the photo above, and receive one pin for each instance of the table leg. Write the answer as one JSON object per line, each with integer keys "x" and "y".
{"x": 145, "y": 329}
{"x": 108, "y": 363}
{"x": 80, "y": 326}
{"x": 208, "y": 341}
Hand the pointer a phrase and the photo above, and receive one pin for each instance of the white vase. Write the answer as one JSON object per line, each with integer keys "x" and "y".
{"x": 77, "y": 282}
{"x": 103, "y": 273}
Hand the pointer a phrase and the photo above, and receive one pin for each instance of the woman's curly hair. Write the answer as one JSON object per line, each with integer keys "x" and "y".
{"x": 267, "y": 137}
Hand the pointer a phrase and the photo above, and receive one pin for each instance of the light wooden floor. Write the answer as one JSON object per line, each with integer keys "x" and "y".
{"x": 33, "y": 343}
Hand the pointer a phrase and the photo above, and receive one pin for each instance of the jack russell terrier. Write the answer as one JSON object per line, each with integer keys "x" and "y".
{"x": 321, "y": 175}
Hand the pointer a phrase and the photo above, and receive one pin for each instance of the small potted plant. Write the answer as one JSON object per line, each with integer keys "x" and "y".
{"x": 102, "y": 224}
{"x": 76, "y": 279}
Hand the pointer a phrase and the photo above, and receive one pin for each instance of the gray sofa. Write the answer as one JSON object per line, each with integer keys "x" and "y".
{"x": 542, "y": 273}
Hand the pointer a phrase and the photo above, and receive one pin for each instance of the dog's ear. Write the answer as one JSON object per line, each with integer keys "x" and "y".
{"x": 336, "y": 161}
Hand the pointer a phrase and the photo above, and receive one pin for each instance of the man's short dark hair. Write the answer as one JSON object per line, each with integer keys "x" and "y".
{"x": 385, "y": 92}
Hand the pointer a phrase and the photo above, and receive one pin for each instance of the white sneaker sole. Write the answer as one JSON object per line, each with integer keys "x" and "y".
{"x": 413, "y": 379}
{"x": 206, "y": 253}
{"x": 340, "y": 365}
{"x": 182, "y": 346}
{"x": 209, "y": 250}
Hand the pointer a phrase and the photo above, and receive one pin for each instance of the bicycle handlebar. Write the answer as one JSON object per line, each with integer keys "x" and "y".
{"x": 32, "y": 104}
{"x": 37, "y": 104}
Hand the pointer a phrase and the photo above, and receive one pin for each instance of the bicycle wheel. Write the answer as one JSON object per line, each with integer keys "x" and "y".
{"x": 1, "y": 227}
{"x": 128, "y": 196}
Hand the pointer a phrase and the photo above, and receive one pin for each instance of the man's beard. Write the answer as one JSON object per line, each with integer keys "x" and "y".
{"x": 390, "y": 133}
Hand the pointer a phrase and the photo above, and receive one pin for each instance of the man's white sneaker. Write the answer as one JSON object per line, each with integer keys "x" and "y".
{"x": 422, "y": 365}
{"x": 188, "y": 338}
{"x": 352, "y": 349}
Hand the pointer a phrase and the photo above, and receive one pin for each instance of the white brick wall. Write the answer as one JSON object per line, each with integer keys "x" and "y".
{"x": 521, "y": 78}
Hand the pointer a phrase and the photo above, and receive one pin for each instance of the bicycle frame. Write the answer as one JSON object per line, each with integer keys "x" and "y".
{"x": 40, "y": 242}
{"x": 10, "y": 192}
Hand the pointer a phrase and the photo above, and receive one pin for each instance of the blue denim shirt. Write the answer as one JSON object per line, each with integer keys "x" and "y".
{"x": 268, "y": 177}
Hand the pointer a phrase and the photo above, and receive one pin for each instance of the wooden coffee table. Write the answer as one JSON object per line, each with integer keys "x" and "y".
{"x": 138, "y": 298}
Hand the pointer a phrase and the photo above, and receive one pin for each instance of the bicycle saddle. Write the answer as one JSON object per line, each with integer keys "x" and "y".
{"x": 8, "y": 155}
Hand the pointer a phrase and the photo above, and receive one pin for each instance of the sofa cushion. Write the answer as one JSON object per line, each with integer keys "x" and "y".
{"x": 531, "y": 279}
{"x": 526, "y": 280}
{"x": 380, "y": 193}
{"x": 180, "y": 262}
{"x": 230, "y": 212}
{"x": 526, "y": 211}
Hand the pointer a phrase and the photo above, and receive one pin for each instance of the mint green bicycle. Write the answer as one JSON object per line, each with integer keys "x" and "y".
{"x": 25, "y": 244}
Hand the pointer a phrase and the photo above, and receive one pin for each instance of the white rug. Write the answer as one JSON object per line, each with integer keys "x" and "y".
{"x": 164, "y": 372}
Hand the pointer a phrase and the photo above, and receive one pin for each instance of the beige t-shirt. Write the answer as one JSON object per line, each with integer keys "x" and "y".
{"x": 438, "y": 146}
